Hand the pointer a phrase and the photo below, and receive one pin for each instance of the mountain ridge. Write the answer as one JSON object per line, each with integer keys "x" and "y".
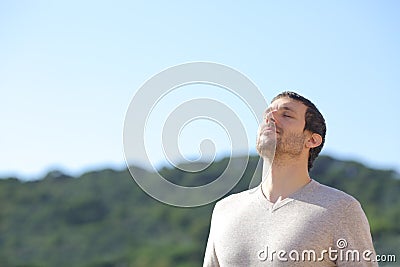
{"x": 103, "y": 218}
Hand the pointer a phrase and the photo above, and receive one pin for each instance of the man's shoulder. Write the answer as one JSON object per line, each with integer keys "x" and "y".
{"x": 238, "y": 200}
{"x": 333, "y": 196}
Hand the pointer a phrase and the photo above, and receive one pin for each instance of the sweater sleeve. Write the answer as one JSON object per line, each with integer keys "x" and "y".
{"x": 210, "y": 257}
{"x": 353, "y": 239}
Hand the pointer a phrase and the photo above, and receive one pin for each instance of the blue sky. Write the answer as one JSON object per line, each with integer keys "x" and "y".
{"x": 69, "y": 70}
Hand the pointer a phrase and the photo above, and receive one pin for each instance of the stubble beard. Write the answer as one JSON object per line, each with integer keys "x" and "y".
{"x": 280, "y": 147}
{"x": 266, "y": 148}
{"x": 291, "y": 146}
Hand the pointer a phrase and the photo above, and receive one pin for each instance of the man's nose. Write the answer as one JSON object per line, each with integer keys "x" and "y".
{"x": 270, "y": 117}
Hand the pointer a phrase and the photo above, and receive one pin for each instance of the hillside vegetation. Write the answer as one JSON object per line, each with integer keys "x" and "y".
{"x": 103, "y": 219}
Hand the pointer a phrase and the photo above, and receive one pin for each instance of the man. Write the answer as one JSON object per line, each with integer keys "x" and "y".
{"x": 290, "y": 219}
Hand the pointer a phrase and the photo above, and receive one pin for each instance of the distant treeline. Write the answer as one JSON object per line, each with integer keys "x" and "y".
{"x": 103, "y": 218}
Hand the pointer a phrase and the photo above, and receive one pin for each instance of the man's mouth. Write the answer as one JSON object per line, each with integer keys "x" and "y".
{"x": 267, "y": 129}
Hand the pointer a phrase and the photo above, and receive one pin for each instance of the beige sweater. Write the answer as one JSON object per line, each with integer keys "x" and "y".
{"x": 316, "y": 226}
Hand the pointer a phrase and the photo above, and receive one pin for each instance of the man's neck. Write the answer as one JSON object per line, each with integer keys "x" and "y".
{"x": 283, "y": 178}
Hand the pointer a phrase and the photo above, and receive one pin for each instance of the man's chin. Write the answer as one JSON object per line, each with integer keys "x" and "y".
{"x": 266, "y": 152}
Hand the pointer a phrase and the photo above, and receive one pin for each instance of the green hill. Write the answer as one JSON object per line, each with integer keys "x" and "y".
{"x": 104, "y": 219}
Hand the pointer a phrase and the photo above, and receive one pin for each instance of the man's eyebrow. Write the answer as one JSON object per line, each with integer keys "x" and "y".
{"x": 288, "y": 108}
{"x": 284, "y": 108}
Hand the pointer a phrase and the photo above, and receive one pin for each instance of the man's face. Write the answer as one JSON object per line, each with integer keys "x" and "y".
{"x": 283, "y": 128}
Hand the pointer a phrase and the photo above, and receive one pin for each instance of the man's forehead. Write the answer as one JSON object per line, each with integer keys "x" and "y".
{"x": 287, "y": 103}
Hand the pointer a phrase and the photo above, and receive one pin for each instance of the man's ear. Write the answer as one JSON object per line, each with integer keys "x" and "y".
{"x": 314, "y": 140}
